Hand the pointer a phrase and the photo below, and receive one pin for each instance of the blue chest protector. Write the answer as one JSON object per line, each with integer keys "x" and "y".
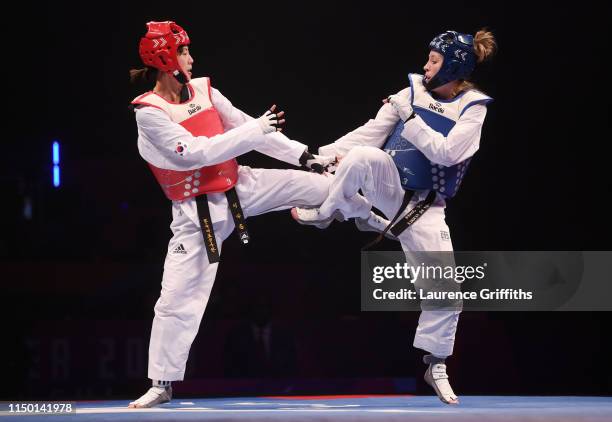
{"x": 416, "y": 171}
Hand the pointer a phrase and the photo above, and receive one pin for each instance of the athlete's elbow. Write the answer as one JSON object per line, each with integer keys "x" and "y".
{"x": 450, "y": 160}
{"x": 443, "y": 158}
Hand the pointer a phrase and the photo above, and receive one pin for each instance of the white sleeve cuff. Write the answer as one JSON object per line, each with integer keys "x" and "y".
{"x": 328, "y": 150}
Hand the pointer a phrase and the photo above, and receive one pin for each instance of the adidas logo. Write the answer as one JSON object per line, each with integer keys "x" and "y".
{"x": 180, "y": 249}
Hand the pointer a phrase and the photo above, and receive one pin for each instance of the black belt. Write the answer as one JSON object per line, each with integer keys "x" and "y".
{"x": 207, "y": 228}
{"x": 408, "y": 220}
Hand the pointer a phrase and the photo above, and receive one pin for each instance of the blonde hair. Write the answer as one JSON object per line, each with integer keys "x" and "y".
{"x": 485, "y": 47}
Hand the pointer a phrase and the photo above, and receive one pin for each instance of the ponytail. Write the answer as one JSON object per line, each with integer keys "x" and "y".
{"x": 147, "y": 75}
{"x": 484, "y": 45}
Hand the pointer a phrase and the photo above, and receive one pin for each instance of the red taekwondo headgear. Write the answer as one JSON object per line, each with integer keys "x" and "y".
{"x": 159, "y": 48}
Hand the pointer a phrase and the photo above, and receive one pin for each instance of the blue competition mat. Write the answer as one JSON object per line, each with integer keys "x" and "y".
{"x": 346, "y": 408}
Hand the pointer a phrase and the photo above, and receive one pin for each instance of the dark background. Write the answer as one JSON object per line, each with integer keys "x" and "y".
{"x": 81, "y": 276}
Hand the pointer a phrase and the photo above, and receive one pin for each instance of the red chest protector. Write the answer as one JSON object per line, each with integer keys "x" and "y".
{"x": 200, "y": 118}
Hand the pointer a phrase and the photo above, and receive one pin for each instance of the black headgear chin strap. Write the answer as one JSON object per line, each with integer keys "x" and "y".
{"x": 433, "y": 83}
{"x": 180, "y": 77}
{"x": 185, "y": 93}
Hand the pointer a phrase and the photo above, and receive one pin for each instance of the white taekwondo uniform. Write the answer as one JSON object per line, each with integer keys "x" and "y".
{"x": 367, "y": 167}
{"x": 166, "y": 144}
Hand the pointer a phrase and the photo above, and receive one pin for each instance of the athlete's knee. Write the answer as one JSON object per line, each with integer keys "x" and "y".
{"x": 171, "y": 305}
{"x": 163, "y": 307}
{"x": 311, "y": 187}
{"x": 320, "y": 186}
{"x": 364, "y": 154}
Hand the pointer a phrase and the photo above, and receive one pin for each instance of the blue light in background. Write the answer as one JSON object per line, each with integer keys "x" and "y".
{"x": 56, "y": 155}
{"x": 56, "y": 162}
{"x": 56, "y": 176}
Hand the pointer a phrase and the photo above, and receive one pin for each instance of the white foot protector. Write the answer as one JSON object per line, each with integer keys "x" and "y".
{"x": 438, "y": 379}
{"x": 153, "y": 397}
{"x": 374, "y": 223}
{"x": 312, "y": 217}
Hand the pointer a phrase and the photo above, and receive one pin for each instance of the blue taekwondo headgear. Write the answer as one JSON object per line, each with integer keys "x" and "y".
{"x": 459, "y": 57}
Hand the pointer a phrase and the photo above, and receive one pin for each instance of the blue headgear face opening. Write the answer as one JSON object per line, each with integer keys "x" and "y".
{"x": 459, "y": 57}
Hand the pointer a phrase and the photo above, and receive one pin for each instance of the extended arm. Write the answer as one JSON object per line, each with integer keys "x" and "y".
{"x": 167, "y": 144}
{"x": 274, "y": 144}
{"x": 373, "y": 133}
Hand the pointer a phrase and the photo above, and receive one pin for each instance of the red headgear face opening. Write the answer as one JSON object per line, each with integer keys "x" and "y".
{"x": 159, "y": 47}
